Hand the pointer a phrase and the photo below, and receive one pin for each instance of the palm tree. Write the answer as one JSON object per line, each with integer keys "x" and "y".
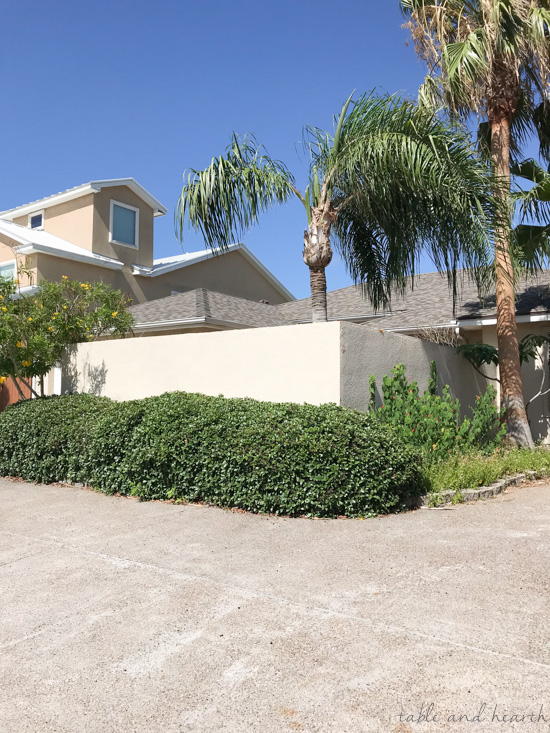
{"x": 391, "y": 180}
{"x": 491, "y": 57}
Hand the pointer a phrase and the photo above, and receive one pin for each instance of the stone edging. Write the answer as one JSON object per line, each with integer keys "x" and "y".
{"x": 484, "y": 492}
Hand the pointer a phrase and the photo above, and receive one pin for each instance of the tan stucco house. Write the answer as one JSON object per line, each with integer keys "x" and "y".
{"x": 103, "y": 230}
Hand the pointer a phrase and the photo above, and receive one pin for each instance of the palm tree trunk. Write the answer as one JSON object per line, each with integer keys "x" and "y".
{"x": 317, "y": 256}
{"x": 510, "y": 369}
{"x": 318, "y": 283}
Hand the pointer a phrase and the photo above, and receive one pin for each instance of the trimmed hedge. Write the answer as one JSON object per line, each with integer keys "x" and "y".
{"x": 263, "y": 457}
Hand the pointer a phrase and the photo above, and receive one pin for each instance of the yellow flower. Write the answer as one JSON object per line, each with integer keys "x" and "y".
{"x": 29, "y": 319}
{"x": 434, "y": 446}
{"x": 4, "y": 309}
{"x": 41, "y": 305}
{"x": 64, "y": 307}
{"x": 56, "y": 313}
{"x": 64, "y": 277}
{"x": 114, "y": 314}
{"x": 16, "y": 282}
{"x": 26, "y": 363}
{"x": 2, "y": 380}
{"x": 84, "y": 285}
{"x": 1, "y": 297}
{"x": 50, "y": 328}
{"x": 20, "y": 345}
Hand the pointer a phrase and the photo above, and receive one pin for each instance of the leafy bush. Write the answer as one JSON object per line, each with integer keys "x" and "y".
{"x": 44, "y": 439}
{"x": 263, "y": 457}
{"x": 463, "y": 472}
{"x": 433, "y": 423}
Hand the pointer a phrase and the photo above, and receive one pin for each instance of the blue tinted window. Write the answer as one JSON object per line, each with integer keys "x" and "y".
{"x": 124, "y": 225}
{"x": 36, "y": 221}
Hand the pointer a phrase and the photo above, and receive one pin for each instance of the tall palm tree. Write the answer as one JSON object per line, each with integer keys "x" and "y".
{"x": 492, "y": 57}
{"x": 390, "y": 180}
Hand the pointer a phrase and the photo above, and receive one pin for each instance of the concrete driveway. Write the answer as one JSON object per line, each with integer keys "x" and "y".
{"x": 123, "y": 616}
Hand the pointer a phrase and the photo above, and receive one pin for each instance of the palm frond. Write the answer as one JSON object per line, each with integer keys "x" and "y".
{"x": 225, "y": 199}
{"x": 406, "y": 182}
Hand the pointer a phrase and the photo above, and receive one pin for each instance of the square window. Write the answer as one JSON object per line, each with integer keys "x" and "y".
{"x": 36, "y": 221}
{"x": 7, "y": 271}
{"x": 124, "y": 224}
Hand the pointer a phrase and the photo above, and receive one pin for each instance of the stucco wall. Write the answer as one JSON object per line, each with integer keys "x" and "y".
{"x": 101, "y": 222}
{"x": 367, "y": 351}
{"x": 283, "y": 364}
{"x": 71, "y": 220}
{"x": 228, "y": 273}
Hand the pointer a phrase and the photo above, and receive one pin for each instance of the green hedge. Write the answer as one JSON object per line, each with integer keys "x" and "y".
{"x": 278, "y": 458}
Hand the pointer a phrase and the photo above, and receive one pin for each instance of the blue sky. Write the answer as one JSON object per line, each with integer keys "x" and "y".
{"x": 113, "y": 89}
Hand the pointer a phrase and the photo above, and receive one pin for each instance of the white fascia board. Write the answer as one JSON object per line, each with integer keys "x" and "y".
{"x": 163, "y": 268}
{"x": 137, "y": 188}
{"x": 177, "y": 263}
{"x": 467, "y": 323}
{"x": 346, "y": 319}
{"x": 86, "y": 188}
{"x": 60, "y": 198}
{"x": 412, "y": 329}
{"x": 30, "y": 249}
{"x": 187, "y": 323}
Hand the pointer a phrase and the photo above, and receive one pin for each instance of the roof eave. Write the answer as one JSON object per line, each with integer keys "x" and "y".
{"x": 84, "y": 190}
{"x": 31, "y": 248}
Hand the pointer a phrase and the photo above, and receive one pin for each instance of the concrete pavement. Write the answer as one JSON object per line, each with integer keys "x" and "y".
{"x": 136, "y": 617}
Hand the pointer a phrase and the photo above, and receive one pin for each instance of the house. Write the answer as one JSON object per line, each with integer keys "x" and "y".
{"x": 103, "y": 230}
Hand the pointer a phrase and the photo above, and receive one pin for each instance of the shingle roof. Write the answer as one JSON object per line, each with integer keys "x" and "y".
{"x": 430, "y": 303}
{"x": 207, "y": 304}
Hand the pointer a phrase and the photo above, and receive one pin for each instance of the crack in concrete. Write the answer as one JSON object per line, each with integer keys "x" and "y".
{"x": 390, "y": 628}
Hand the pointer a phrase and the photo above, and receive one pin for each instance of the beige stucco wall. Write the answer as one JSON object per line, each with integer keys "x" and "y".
{"x": 314, "y": 363}
{"x": 282, "y": 364}
{"x": 241, "y": 279}
{"x": 72, "y": 220}
{"x": 101, "y": 222}
{"x": 85, "y": 221}
{"x": 229, "y": 273}
{"x": 367, "y": 351}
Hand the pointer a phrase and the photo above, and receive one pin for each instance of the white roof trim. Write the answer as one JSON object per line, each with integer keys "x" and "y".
{"x": 536, "y": 317}
{"x": 83, "y": 190}
{"x": 188, "y": 323}
{"x": 169, "y": 264}
{"x": 83, "y": 255}
{"x": 33, "y": 241}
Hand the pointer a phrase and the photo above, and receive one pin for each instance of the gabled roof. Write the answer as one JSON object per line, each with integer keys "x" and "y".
{"x": 31, "y": 241}
{"x": 176, "y": 262}
{"x": 84, "y": 190}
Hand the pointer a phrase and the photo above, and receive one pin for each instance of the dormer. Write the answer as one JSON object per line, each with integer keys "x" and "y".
{"x": 112, "y": 218}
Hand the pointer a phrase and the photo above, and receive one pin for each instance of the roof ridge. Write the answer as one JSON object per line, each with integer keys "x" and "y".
{"x": 203, "y": 304}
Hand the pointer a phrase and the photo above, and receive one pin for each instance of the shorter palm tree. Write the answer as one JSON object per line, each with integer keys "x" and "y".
{"x": 391, "y": 180}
